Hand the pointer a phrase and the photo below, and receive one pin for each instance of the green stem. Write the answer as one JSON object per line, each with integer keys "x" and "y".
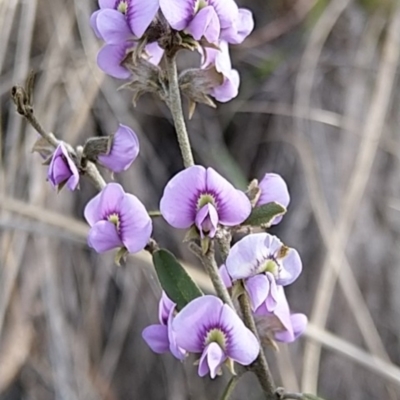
{"x": 175, "y": 105}
{"x": 260, "y": 365}
{"x": 230, "y": 387}
{"x": 154, "y": 214}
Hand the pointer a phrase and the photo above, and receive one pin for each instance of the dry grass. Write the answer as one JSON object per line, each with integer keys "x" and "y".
{"x": 318, "y": 104}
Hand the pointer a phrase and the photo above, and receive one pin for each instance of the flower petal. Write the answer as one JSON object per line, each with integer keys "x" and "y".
{"x": 110, "y": 57}
{"x": 123, "y": 152}
{"x": 237, "y": 32}
{"x": 242, "y": 345}
{"x": 292, "y": 267}
{"x": 135, "y": 224}
{"x": 194, "y": 319}
{"x": 112, "y": 26}
{"x": 241, "y": 262}
{"x": 227, "y": 11}
{"x": 140, "y": 14}
{"x": 215, "y": 357}
{"x": 258, "y": 288}
{"x": 154, "y": 52}
{"x": 179, "y": 201}
{"x": 229, "y": 88}
{"x": 176, "y": 351}
{"x": 93, "y": 23}
{"x": 205, "y": 23}
{"x": 164, "y": 308}
{"x": 223, "y": 273}
{"x": 103, "y": 236}
{"x": 207, "y": 220}
{"x": 233, "y": 206}
{"x": 178, "y": 13}
{"x": 107, "y": 3}
{"x": 156, "y": 337}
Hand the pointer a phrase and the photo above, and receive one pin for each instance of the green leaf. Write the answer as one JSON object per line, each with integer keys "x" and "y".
{"x": 263, "y": 215}
{"x": 173, "y": 278}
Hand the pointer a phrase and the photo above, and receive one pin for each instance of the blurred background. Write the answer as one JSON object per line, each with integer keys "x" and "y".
{"x": 318, "y": 104}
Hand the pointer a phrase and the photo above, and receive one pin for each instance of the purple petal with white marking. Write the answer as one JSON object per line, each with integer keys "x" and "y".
{"x": 103, "y": 236}
{"x": 194, "y": 319}
{"x": 178, "y": 13}
{"x": 205, "y": 23}
{"x": 110, "y": 57}
{"x": 113, "y": 27}
{"x": 179, "y": 201}
{"x": 156, "y": 337}
{"x": 233, "y": 206}
{"x": 104, "y": 203}
{"x": 140, "y": 14}
{"x": 135, "y": 224}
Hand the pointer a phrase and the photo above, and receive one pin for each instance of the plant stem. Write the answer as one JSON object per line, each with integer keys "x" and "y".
{"x": 260, "y": 365}
{"x": 230, "y": 387}
{"x": 209, "y": 263}
{"x": 175, "y": 105}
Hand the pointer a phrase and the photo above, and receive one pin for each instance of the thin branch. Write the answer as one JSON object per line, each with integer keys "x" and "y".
{"x": 230, "y": 387}
{"x": 175, "y": 105}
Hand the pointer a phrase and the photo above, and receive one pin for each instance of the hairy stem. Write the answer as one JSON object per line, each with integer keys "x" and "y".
{"x": 260, "y": 365}
{"x": 209, "y": 263}
{"x": 175, "y": 105}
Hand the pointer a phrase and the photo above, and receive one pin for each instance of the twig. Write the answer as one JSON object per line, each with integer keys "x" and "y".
{"x": 230, "y": 387}
{"x": 260, "y": 365}
{"x": 175, "y": 105}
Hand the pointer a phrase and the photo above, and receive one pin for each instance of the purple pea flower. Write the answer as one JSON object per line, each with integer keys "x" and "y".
{"x": 201, "y": 197}
{"x": 121, "y": 20}
{"x": 220, "y": 60}
{"x": 210, "y": 328}
{"x": 62, "y": 169}
{"x": 284, "y": 326}
{"x": 264, "y": 263}
{"x": 273, "y": 189}
{"x": 240, "y": 29}
{"x": 124, "y": 150}
{"x": 111, "y": 56}
{"x": 117, "y": 219}
{"x": 160, "y": 337}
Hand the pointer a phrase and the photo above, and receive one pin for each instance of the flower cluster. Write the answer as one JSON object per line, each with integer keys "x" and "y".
{"x": 208, "y": 26}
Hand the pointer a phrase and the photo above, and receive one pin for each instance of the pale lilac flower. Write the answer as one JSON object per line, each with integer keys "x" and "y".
{"x": 220, "y": 60}
{"x": 273, "y": 189}
{"x": 284, "y": 326}
{"x": 62, "y": 169}
{"x": 111, "y": 56}
{"x": 121, "y": 20}
{"x": 264, "y": 263}
{"x": 201, "y": 197}
{"x": 212, "y": 19}
{"x": 117, "y": 219}
{"x": 211, "y": 329}
{"x": 124, "y": 150}
{"x": 160, "y": 337}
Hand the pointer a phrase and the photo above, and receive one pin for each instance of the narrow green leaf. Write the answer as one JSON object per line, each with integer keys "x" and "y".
{"x": 173, "y": 278}
{"x": 263, "y": 215}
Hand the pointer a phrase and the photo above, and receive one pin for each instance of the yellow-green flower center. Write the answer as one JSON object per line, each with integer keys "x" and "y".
{"x": 114, "y": 219}
{"x": 271, "y": 266}
{"x": 217, "y": 336}
{"x": 205, "y": 199}
{"x": 122, "y": 7}
{"x": 199, "y": 5}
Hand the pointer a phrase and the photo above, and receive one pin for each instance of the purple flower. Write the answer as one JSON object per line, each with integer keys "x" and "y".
{"x": 62, "y": 169}
{"x": 264, "y": 263}
{"x": 210, "y": 328}
{"x": 240, "y": 29}
{"x": 204, "y": 198}
{"x": 124, "y": 150}
{"x": 117, "y": 219}
{"x": 284, "y": 326}
{"x": 160, "y": 337}
{"x": 111, "y": 56}
{"x": 273, "y": 189}
{"x": 220, "y": 60}
{"x": 121, "y": 20}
